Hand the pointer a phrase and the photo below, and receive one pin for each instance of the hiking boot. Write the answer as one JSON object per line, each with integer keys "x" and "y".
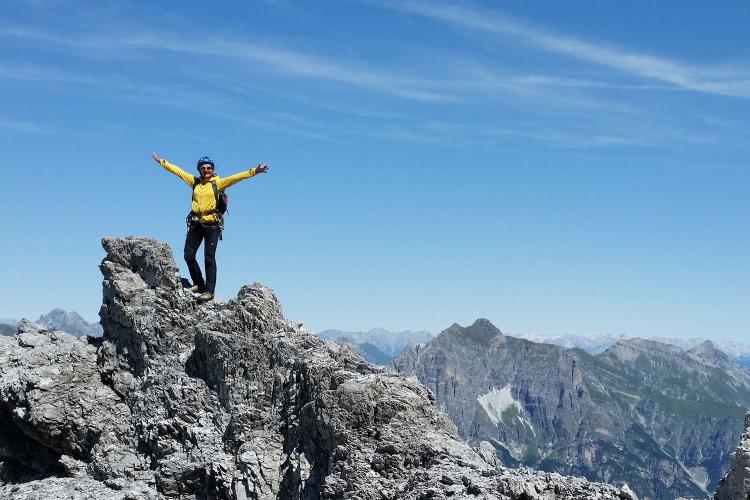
{"x": 204, "y": 297}
{"x": 195, "y": 289}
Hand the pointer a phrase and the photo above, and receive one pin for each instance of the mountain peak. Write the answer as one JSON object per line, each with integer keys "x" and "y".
{"x": 484, "y": 323}
{"x": 482, "y": 331}
{"x": 708, "y": 352}
{"x": 69, "y": 322}
{"x": 629, "y": 350}
{"x": 225, "y": 400}
{"x": 58, "y": 313}
{"x": 705, "y": 347}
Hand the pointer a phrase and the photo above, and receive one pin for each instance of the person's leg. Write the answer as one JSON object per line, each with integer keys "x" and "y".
{"x": 209, "y": 251}
{"x": 192, "y": 242}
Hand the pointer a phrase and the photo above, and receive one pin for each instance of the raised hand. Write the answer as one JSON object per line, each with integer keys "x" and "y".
{"x": 156, "y": 158}
{"x": 262, "y": 168}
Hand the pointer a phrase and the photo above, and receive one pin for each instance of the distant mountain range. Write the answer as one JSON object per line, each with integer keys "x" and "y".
{"x": 57, "y": 319}
{"x": 378, "y": 346}
{"x": 660, "y": 418}
{"x": 598, "y": 343}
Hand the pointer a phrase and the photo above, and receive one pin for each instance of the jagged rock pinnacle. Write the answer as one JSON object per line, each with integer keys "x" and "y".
{"x": 228, "y": 401}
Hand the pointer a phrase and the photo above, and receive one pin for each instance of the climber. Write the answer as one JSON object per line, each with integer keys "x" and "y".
{"x": 205, "y": 220}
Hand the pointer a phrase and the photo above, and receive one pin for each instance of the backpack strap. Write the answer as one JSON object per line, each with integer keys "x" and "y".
{"x": 196, "y": 181}
{"x": 216, "y": 193}
{"x": 216, "y": 210}
{"x": 192, "y": 215}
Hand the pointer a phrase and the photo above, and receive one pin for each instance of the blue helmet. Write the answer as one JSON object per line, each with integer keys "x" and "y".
{"x": 205, "y": 159}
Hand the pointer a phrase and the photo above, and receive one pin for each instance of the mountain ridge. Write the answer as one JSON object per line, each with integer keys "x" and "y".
{"x": 378, "y": 345}
{"x": 227, "y": 400}
{"x": 392, "y": 343}
{"x": 521, "y": 395}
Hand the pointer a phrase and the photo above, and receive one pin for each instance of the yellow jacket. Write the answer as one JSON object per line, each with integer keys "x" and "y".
{"x": 203, "y": 194}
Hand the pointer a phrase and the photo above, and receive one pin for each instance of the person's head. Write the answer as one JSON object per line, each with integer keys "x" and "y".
{"x": 205, "y": 167}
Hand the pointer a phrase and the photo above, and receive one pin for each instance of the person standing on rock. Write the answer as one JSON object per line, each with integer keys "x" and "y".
{"x": 205, "y": 219}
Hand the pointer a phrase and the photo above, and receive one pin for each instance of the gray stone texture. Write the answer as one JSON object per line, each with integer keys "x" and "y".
{"x": 735, "y": 485}
{"x": 227, "y": 400}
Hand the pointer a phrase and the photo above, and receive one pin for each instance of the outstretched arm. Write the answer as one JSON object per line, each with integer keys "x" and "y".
{"x": 189, "y": 179}
{"x": 235, "y": 178}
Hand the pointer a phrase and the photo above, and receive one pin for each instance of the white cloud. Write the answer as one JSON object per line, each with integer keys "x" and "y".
{"x": 200, "y": 101}
{"x": 475, "y": 84}
{"x": 568, "y": 139}
{"x": 281, "y": 60}
{"x": 25, "y": 127}
{"x": 715, "y": 80}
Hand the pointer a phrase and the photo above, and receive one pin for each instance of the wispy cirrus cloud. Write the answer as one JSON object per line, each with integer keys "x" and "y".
{"x": 197, "y": 101}
{"x": 202, "y": 101}
{"x": 41, "y": 129}
{"x": 299, "y": 64}
{"x": 21, "y": 126}
{"x": 107, "y": 85}
{"x": 469, "y": 78}
{"x": 567, "y": 139}
{"x": 462, "y": 81}
{"x": 362, "y": 110}
{"x": 714, "y": 80}
{"x": 590, "y": 137}
{"x": 285, "y": 61}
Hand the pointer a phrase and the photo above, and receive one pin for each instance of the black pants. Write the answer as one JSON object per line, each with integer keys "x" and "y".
{"x": 197, "y": 233}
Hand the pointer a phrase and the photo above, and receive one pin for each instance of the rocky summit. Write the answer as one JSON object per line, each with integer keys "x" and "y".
{"x": 659, "y": 418}
{"x": 227, "y": 401}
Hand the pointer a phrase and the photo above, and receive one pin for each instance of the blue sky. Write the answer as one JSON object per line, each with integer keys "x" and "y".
{"x": 556, "y": 167}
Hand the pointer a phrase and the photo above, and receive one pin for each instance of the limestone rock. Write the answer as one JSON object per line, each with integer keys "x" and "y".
{"x": 53, "y": 402}
{"x": 226, "y": 401}
{"x": 736, "y": 484}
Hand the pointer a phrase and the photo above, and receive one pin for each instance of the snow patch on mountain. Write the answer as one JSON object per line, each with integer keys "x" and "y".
{"x": 498, "y": 401}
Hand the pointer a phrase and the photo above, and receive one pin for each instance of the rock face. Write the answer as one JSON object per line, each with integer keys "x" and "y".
{"x": 57, "y": 416}
{"x": 736, "y": 484}
{"x": 661, "y": 419}
{"x": 227, "y": 401}
{"x": 69, "y": 322}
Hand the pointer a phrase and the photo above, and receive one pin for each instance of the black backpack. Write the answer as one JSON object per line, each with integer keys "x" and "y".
{"x": 222, "y": 200}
